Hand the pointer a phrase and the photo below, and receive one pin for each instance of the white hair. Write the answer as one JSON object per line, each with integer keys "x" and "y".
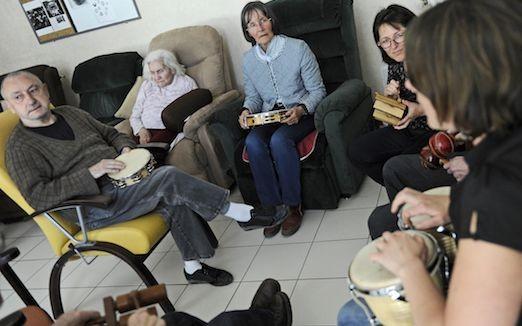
{"x": 168, "y": 59}
{"x": 17, "y": 74}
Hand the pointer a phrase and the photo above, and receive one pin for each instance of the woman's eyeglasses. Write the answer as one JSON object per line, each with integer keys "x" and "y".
{"x": 261, "y": 22}
{"x": 398, "y": 38}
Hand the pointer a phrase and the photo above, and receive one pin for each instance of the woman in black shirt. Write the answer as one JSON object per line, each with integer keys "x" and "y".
{"x": 463, "y": 65}
{"x": 370, "y": 151}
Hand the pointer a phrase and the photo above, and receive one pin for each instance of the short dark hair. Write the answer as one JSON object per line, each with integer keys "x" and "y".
{"x": 464, "y": 56}
{"x": 247, "y": 11}
{"x": 394, "y": 15}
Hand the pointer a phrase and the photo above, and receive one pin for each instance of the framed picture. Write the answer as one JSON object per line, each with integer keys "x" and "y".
{"x": 48, "y": 19}
{"x": 87, "y": 15}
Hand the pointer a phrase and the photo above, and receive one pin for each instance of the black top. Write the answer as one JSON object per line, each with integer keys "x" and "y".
{"x": 58, "y": 130}
{"x": 492, "y": 191}
{"x": 396, "y": 72}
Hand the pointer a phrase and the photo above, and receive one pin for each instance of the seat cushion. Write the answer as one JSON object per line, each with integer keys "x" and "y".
{"x": 138, "y": 235}
{"x": 305, "y": 147}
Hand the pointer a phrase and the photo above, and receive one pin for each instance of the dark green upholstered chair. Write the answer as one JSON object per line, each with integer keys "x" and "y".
{"x": 104, "y": 81}
{"x": 328, "y": 27}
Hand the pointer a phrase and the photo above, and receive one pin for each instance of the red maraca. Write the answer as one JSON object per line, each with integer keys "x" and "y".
{"x": 440, "y": 146}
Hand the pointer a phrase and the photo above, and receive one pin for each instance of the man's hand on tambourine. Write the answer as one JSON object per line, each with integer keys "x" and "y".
{"x": 106, "y": 166}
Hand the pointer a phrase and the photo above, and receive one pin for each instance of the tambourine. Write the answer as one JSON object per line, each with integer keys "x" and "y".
{"x": 263, "y": 118}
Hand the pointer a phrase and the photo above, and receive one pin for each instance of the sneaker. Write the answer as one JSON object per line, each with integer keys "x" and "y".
{"x": 265, "y": 216}
{"x": 281, "y": 309}
{"x": 265, "y": 294}
{"x": 210, "y": 275}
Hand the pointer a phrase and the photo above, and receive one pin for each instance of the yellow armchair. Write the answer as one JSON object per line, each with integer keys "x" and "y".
{"x": 131, "y": 241}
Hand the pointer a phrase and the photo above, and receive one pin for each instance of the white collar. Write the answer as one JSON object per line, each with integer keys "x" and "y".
{"x": 275, "y": 47}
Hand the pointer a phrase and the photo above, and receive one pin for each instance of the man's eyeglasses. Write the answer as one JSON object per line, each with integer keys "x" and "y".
{"x": 398, "y": 38}
{"x": 261, "y": 22}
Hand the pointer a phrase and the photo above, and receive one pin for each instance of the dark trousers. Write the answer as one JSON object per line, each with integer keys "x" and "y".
{"x": 400, "y": 172}
{"x": 251, "y": 317}
{"x": 274, "y": 161}
{"x": 370, "y": 151}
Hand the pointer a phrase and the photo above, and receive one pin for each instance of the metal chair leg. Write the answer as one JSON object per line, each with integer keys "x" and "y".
{"x": 115, "y": 250}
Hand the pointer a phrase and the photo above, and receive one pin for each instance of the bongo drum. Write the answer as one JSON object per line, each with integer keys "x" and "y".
{"x": 444, "y": 234}
{"x": 382, "y": 290}
{"x": 263, "y": 118}
{"x": 139, "y": 163}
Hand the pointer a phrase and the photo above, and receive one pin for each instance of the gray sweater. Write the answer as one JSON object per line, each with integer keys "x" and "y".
{"x": 49, "y": 171}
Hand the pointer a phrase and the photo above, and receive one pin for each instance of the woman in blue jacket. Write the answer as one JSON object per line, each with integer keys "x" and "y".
{"x": 279, "y": 72}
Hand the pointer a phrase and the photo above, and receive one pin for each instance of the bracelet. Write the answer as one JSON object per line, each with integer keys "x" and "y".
{"x": 304, "y": 108}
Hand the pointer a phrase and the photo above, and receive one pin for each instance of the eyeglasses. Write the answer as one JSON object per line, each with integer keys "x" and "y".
{"x": 398, "y": 38}
{"x": 261, "y": 22}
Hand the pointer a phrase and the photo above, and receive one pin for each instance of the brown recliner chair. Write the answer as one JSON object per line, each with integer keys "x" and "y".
{"x": 200, "y": 50}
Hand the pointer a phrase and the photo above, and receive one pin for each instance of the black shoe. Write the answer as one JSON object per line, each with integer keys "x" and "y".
{"x": 281, "y": 309}
{"x": 265, "y": 294}
{"x": 265, "y": 216}
{"x": 211, "y": 275}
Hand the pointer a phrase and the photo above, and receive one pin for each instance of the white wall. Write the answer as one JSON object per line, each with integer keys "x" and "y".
{"x": 19, "y": 47}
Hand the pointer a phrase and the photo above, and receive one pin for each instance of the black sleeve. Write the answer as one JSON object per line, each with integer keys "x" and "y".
{"x": 495, "y": 198}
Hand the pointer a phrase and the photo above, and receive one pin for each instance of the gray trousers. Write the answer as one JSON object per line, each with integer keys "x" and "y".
{"x": 177, "y": 196}
{"x": 399, "y": 172}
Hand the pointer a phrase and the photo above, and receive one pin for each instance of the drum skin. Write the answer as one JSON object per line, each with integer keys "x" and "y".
{"x": 371, "y": 280}
{"x": 139, "y": 164}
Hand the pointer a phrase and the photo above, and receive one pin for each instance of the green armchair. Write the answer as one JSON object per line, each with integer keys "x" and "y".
{"x": 328, "y": 27}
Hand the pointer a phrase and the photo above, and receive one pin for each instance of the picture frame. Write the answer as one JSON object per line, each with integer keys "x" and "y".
{"x": 88, "y": 15}
{"x": 56, "y": 19}
{"x": 48, "y": 19}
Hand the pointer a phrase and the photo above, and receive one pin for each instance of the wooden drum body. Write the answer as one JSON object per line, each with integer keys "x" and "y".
{"x": 139, "y": 164}
{"x": 382, "y": 290}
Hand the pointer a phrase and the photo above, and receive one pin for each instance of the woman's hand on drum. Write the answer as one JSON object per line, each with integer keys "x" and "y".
{"x": 144, "y": 136}
{"x": 398, "y": 251}
{"x": 392, "y": 89}
{"x": 436, "y": 206}
{"x": 242, "y": 119}
{"x": 106, "y": 166}
{"x": 414, "y": 111}
{"x": 293, "y": 115}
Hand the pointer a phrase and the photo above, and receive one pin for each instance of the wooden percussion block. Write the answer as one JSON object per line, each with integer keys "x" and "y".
{"x": 388, "y": 110}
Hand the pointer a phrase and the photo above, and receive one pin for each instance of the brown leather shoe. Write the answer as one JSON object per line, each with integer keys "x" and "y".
{"x": 271, "y": 231}
{"x": 293, "y": 221}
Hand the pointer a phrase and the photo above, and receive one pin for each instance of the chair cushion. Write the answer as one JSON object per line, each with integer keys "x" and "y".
{"x": 138, "y": 235}
{"x": 305, "y": 147}
{"x": 126, "y": 107}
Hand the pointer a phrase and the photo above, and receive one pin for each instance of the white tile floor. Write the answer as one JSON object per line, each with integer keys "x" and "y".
{"x": 311, "y": 265}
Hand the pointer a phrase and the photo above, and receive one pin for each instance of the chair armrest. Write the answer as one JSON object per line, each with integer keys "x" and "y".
{"x": 9, "y": 255}
{"x": 344, "y": 99}
{"x": 124, "y": 127}
{"x": 201, "y": 116}
{"x": 155, "y": 146}
{"x": 99, "y": 201}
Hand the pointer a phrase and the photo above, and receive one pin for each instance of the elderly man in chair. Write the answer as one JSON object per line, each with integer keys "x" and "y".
{"x": 56, "y": 155}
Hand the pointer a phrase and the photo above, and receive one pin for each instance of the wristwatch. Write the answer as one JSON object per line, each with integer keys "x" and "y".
{"x": 304, "y": 108}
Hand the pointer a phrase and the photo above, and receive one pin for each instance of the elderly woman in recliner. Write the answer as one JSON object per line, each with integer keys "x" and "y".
{"x": 279, "y": 73}
{"x": 165, "y": 81}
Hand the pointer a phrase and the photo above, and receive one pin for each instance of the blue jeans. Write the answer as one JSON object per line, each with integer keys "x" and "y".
{"x": 274, "y": 161}
{"x": 352, "y": 315}
{"x": 177, "y": 196}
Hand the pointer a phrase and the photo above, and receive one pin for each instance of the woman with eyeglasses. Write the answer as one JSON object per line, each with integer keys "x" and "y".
{"x": 279, "y": 72}
{"x": 463, "y": 61}
{"x": 369, "y": 152}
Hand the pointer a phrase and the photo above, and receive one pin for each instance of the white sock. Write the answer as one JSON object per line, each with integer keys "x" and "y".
{"x": 239, "y": 212}
{"x": 191, "y": 266}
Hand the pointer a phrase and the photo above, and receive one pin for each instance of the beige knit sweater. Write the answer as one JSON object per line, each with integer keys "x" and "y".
{"x": 49, "y": 171}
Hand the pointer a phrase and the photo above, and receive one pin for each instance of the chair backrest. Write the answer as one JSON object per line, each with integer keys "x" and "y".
{"x": 104, "y": 81}
{"x": 200, "y": 50}
{"x": 57, "y": 240}
{"x": 51, "y": 77}
{"x": 328, "y": 27}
